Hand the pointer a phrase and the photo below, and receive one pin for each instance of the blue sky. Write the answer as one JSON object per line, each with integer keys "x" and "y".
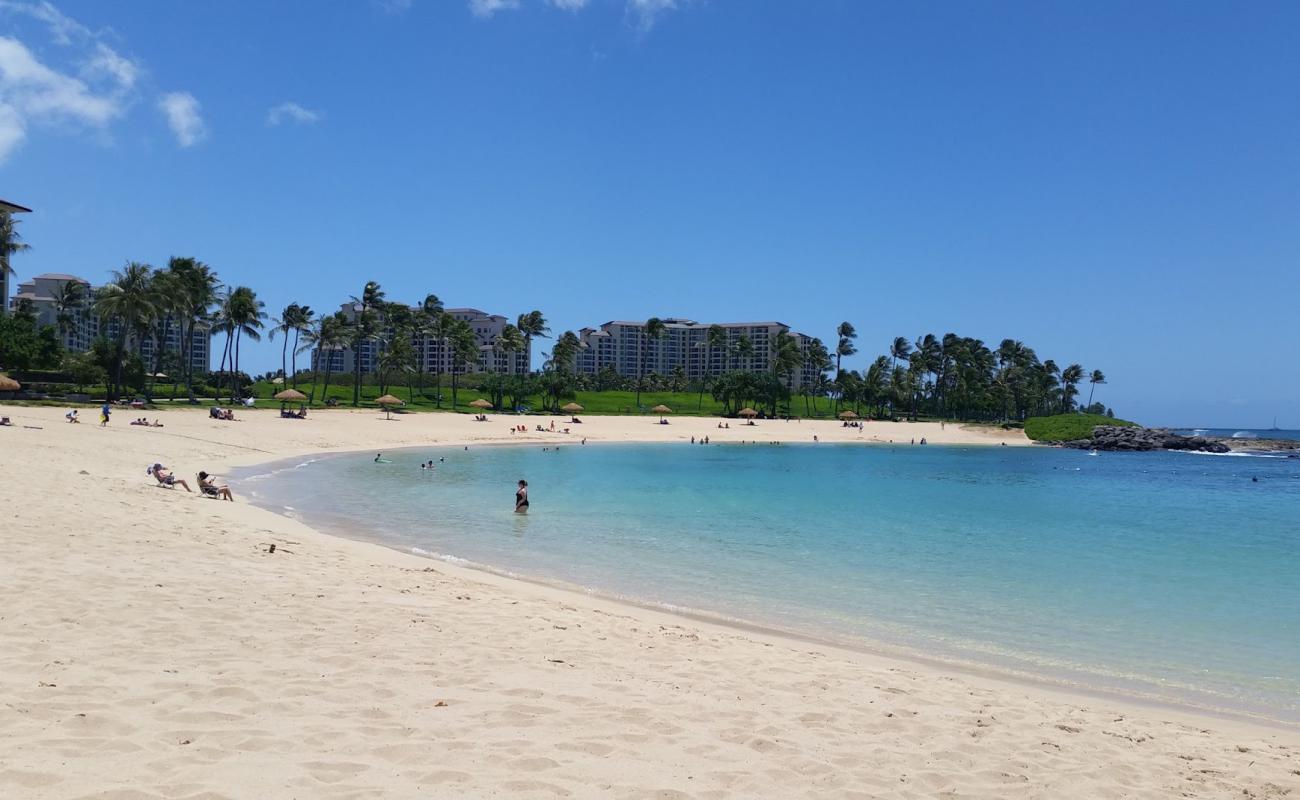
{"x": 1116, "y": 184}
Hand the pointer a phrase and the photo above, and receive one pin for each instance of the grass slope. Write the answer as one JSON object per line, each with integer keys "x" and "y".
{"x": 1066, "y": 427}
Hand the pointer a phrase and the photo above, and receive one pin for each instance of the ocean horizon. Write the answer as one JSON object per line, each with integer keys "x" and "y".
{"x": 1165, "y": 576}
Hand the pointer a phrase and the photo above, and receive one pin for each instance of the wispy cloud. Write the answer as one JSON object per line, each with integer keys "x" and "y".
{"x": 645, "y": 13}
{"x": 182, "y": 112}
{"x": 91, "y": 87}
{"x": 394, "y": 6}
{"x": 33, "y": 93}
{"x": 291, "y": 112}
{"x": 63, "y": 29}
{"x": 569, "y": 5}
{"x": 486, "y": 8}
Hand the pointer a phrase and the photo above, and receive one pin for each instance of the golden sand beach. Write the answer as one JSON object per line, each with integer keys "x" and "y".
{"x": 151, "y": 646}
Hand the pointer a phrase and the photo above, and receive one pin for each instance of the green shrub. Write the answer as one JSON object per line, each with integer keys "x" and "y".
{"x": 1066, "y": 427}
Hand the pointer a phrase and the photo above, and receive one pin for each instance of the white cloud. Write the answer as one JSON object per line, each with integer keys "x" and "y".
{"x": 107, "y": 63}
{"x": 63, "y": 29}
{"x": 182, "y": 112}
{"x": 647, "y": 12}
{"x": 486, "y": 8}
{"x": 291, "y": 112}
{"x": 33, "y": 93}
{"x": 569, "y": 5}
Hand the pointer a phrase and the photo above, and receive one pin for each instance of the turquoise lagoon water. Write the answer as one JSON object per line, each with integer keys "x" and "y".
{"x": 1167, "y": 575}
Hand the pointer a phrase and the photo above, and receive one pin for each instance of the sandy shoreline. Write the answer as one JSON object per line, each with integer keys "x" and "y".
{"x": 151, "y": 647}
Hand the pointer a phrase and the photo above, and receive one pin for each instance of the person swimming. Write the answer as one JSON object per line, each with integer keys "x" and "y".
{"x": 521, "y": 498}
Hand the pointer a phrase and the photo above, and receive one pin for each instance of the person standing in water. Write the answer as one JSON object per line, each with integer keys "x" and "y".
{"x": 521, "y": 498}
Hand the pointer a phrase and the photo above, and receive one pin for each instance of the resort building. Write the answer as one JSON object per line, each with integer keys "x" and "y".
{"x": 80, "y": 326}
{"x": 7, "y": 207}
{"x": 433, "y": 354}
{"x": 684, "y": 344}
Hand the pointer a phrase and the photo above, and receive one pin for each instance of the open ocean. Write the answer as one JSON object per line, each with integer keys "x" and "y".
{"x": 1171, "y": 576}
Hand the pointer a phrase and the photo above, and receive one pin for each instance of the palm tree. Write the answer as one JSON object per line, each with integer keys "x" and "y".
{"x": 786, "y": 358}
{"x": 302, "y": 323}
{"x": 1071, "y": 376}
{"x": 464, "y": 351}
{"x": 531, "y": 324}
{"x": 426, "y": 324}
{"x": 817, "y": 359}
{"x": 10, "y": 243}
{"x": 743, "y": 350}
{"x": 845, "y": 334}
{"x": 168, "y": 303}
{"x": 329, "y": 335}
{"x": 245, "y": 318}
{"x": 127, "y": 301}
{"x": 1095, "y": 378}
{"x": 715, "y": 340}
{"x": 508, "y": 342}
{"x": 287, "y": 321}
{"x": 69, "y": 300}
{"x": 199, "y": 290}
{"x": 653, "y": 330}
{"x": 363, "y": 330}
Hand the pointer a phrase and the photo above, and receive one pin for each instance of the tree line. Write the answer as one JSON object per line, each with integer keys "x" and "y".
{"x": 947, "y": 376}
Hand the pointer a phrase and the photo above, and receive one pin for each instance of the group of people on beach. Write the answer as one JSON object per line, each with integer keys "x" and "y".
{"x": 146, "y": 423}
{"x": 208, "y": 485}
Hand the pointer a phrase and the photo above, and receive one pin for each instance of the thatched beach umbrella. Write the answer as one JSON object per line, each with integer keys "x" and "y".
{"x": 848, "y": 415}
{"x": 571, "y": 408}
{"x": 8, "y": 384}
{"x": 388, "y": 401}
{"x": 290, "y": 396}
{"x": 662, "y": 410}
{"x": 747, "y": 413}
{"x": 480, "y": 403}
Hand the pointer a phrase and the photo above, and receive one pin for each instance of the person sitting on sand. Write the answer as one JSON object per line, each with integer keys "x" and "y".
{"x": 5, "y": 422}
{"x": 521, "y": 498}
{"x": 165, "y": 477}
{"x": 72, "y": 416}
{"x": 208, "y": 485}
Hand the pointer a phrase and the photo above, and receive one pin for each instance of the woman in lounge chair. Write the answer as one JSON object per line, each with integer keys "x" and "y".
{"x": 165, "y": 477}
{"x": 208, "y": 485}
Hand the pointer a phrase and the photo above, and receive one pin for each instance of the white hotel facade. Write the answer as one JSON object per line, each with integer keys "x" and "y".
{"x": 85, "y": 326}
{"x": 434, "y": 354}
{"x": 620, "y": 344}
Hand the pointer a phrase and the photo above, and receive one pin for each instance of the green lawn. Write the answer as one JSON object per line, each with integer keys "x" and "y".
{"x": 1068, "y": 427}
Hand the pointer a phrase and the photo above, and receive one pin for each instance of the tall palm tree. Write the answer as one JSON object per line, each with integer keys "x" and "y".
{"x": 786, "y": 358}
{"x": 652, "y": 331}
{"x": 464, "y": 351}
{"x": 426, "y": 325}
{"x": 715, "y": 340}
{"x": 302, "y": 323}
{"x": 287, "y": 321}
{"x": 1095, "y": 378}
{"x": 168, "y": 303}
{"x": 531, "y": 324}
{"x": 743, "y": 350}
{"x": 1071, "y": 377}
{"x": 817, "y": 359}
{"x": 508, "y": 342}
{"x": 127, "y": 301}
{"x": 363, "y": 330}
{"x": 845, "y": 333}
{"x": 69, "y": 301}
{"x": 245, "y": 319}
{"x": 10, "y": 243}
{"x": 200, "y": 288}
{"x": 328, "y": 336}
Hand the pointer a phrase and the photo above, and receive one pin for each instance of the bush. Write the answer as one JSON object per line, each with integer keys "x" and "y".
{"x": 1067, "y": 427}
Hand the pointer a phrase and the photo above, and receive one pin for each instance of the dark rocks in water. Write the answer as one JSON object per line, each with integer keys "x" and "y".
{"x": 1136, "y": 439}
